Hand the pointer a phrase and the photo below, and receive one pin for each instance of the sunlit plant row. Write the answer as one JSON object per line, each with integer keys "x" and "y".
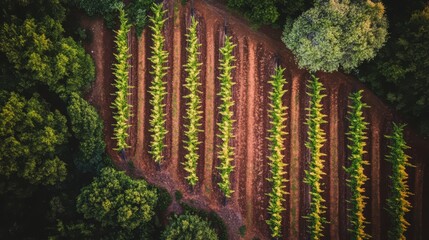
{"x": 314, "y": 174}
{"x": 356, "y": 176}
{"x": 225, "y": 150}
{"x": 120, "y": 70}
{"x": 193, "y": 104}
{"x": 158, "y": 88}
{"x": 277, "y": 115}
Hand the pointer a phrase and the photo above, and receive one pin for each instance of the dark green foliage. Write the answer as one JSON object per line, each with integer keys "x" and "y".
{"x": 87, "y": 128}
{"x": 262, "y": 12}
{"x": 314, "y": 174}
{"x": 178, "y": 195}
{"x": 193, "y": 104}
{"x": 338, "y": 34}
{"x": 356, "y": 176}
{"x": 189, "y": 226}
{"x": 164, "y": 200}
{"x": 31, "y": 135}
{"x": 277, "y": 115}
{"x": 121, "y": 107}
{"x": 105, "y": 8}
{"x": 158, "y": 90}
{"x": 115, "y": 199}
{"x": 137, "y": 11}
{"x": 40, "y": 55}
{"x": 397, "y": 202}
{"x": 215, "y": 221}
{"x": 242, "y": 231}
{"x": 226, "y": 151}
{"x": 400, "y": 74}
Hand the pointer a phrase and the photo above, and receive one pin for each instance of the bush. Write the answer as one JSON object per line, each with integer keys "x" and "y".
{"x": 137, "y": 12}
{"x": 397, "y": 202}
{"x": 193, "y": 110}
{"x": 337, "y": 35}
{"x": 226, "y": 152}
{"x": 313, "y": 176}
{"x": 189, "y": 226}
{"x": 105, "y": 8}
{"x": 115, "y": 199}
{"x": 120, "y": 70}
{"x": 356, "y": 176}
{"x": 158, "y": 89}
{"x": 277, "y": 115}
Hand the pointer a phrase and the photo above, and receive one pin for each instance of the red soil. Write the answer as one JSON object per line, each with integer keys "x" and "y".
{"x": 255, "y": 53}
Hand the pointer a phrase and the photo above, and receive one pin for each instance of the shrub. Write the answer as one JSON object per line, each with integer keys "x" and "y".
{"x": 158, "y": 89}
{"x": 115, "y": 199}
{"x": 356, "y": 176}
{"x": 189, "y": 226}
{"x": 397, "y": 202}
{"x": 137, "y": 12}
{"x": 277, "y": 115}
{"x": 193, "y": 111}
{"x": 120, "y": 71}
{"x": 226, "y": 152}
{"x": 313, "y": 176}
{"x": 337, "y": 34}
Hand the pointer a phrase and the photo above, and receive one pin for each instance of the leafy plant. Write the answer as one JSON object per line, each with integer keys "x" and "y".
{"x": 158, "y": 89}
{"x": 336, "y": 34}
{"x": 397, "y": 203}
{"x": 226, "y": 152}
{"x": 313, "y": 176}
{"x": 120, "y": 71}
{"x": 188, "y": 226}
{"x": 277, "y": 114}
{"x": 193, "y": 112}
{"x": 356, "y": 176}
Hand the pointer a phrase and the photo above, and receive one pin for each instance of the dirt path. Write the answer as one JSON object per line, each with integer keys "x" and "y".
{"x": 255, "y": 53}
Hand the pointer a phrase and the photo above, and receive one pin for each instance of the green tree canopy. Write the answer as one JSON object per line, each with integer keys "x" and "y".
{"x": 31, "y": 136}
{"x": 87, "y": 128}
{"x": 400, "y": 73}
{"x": 39, "y": 54}
{"x": 337, "y": 34}
{"x": 115, "y": 199}
{"x": 189, "y": 226}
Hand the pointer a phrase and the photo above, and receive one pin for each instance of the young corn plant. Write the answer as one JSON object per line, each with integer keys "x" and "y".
{"x": 193, "y": 111}
{"x": 158, "y": 90}
{"x": 313, "y": 176}
{"x": 356, "y": 176}
{"x": 277, "y": 114}
{"x": 226, "y": 152}
{"x": 122, "y": 110}
{"x": 397, "y": 202}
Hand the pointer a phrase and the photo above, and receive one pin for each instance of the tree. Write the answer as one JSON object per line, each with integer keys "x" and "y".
{"x": 39, "y": 54}
{"x": 115, "y": 199}
{"x": 193, "y": 110}
{"x": 337, "y": 34}
{"x": 158, "y": 90}
{"x": 31, "y": 137}
{"x": 87, "y": 128}
{"x": 400, "y": 72}
{"x": 314, "y": 143}
{"x": 105, "y": 8}
{"x": 189, "y": 226}
{"x": 356, "y": 176}
{"x": 277, "y": 114}
{"x": 122, "y": 109}
{"x": 397, "y": 202}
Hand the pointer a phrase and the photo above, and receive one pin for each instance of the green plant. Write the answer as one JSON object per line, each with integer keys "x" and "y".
{"x": 193, "y": 112}
{"x": 277, "y": 114}
{"x": 137, "y": 12}
{"x": 188, "y": 226}
{"x": 337, "y": 34}
{"x": 178, "y": 195}
{"x": 356, "y": 176}
{"x": 313, "y": 176}
{"x": 158, "y": 89}
{"x": 397, "y": 202}
{"x": 226, "y": 152}
{"x": 120, "y": 71}
{"x": 242, "y": 230}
